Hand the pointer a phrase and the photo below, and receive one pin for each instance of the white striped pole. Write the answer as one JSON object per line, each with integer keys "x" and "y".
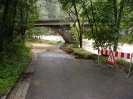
{"x": 100, "y": 52}
{"x": 129, "y": 71}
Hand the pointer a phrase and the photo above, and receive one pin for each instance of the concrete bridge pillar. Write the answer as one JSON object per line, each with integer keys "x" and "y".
{"x": 64, "y": 31}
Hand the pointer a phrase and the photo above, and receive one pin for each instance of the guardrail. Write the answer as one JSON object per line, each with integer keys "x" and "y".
{"x": 111, "y": 54}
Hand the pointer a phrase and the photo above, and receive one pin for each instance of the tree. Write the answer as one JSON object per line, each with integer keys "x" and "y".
{"x": 73, "y": 9}
{"x": 48, "y": 9}
{"x": 127, "y": 23}
{"x": 104, "y": 15}
{"x": 118, "y": 7}
{"x": 15, "y": 17}
{"x": 99, "y": 18}
{"x": 42, "y": 10}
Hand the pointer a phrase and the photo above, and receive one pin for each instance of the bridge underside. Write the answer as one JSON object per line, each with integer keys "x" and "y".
{"x": 62, "y": 27}
{"x": 63, "y": 30}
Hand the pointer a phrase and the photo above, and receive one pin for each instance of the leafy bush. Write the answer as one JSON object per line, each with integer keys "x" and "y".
{"x": 13, "y": 61}
{"x": 75, "y": 36}
{"x": 128, "y": 38}
{"x": 68, "y": 47}
{"x": 79, "y": 52}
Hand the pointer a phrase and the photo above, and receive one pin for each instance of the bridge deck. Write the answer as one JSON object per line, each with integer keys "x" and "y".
{"x": 55, "y": 23}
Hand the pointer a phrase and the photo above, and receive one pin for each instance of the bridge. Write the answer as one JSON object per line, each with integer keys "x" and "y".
{"x": 60, "y": 26}
{"x": 40, "y": 23}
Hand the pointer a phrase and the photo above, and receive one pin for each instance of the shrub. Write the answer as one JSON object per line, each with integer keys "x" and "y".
{"x": 79, "y": 52}
{"x": 13, "y": 61}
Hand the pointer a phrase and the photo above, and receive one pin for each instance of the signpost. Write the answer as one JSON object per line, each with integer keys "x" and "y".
{"x": 110, "y": 58}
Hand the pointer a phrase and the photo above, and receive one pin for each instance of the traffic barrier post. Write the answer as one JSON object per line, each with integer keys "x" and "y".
{"x": 100, "y": 52}
{"x": 129, "y": 70}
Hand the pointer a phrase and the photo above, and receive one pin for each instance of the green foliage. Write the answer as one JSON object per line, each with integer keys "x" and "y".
{"x": 13, "y": 61}
{"x": 79, "y": 52}
{"x": 128, "y": 38}
{"x": 103, "y": 37}
{"x": 103, "y": 59}
{"x": 75, "y": 40}
{"x": 16, "y": 16}
{"x": 123, "y": 63}
{"x": 127, "y": 15}
{"x": 68, "y": 47}
{"x": 73, "y": 8}
{"x": 8, "y": 76}
{"x": 42, "y": 11}
{"x": 106, "y": 18}
{"x": 101, "y": 17}
{"x": 83, "y": 54}
{"x": 49, "y": 9}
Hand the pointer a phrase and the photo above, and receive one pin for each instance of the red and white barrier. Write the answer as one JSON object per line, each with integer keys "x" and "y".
{"x": 116, "y": 54}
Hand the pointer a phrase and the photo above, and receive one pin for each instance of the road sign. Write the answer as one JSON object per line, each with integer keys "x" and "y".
{"x": 110, "y": 58}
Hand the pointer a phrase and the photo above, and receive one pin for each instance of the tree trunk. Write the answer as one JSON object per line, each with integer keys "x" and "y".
{"x": 23, "y": 21}
{"x": 80, "y": 40}
{"x": 115, "y": 24}
{"x": 91, "y": 22}
{"x": 117, "y": 16}
{"x": 26, "y": 22}
{"x": 79, "y": 25}
{"x": 13, "y": 16}
{"x": 4, "y": 23}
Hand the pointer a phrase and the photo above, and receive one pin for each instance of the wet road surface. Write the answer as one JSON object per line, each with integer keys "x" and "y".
{"x": 59, "y": 76}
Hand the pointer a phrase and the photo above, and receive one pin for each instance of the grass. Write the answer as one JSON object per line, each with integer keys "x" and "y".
{"x": 122, "y": 64}
{"x": 13, "y": 61}
{"x": 79, "y": 52}
{"x": 83, "y": 54}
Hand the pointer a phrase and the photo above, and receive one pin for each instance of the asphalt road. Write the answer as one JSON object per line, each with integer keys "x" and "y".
{"x": 59, "y": 76}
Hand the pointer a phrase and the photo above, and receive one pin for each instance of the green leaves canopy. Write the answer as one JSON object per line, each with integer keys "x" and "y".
{"x": 16, "y": 16}
{"x": 106, "y": 18}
